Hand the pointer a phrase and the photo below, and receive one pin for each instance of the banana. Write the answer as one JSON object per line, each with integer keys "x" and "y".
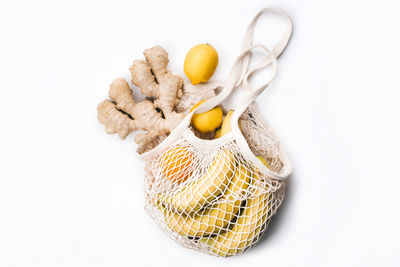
{"x": 247, "y": 226}
{"x": 226, "y": 124}
{"x": 204, "y": 190}
{"x": 215, "y": 218}
{"x": 207, "y": 188}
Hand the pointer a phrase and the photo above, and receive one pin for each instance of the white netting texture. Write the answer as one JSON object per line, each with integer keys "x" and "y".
{"x": 212, "y": 198}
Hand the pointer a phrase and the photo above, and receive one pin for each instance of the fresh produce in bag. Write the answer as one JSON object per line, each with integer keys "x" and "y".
{"x": 214, "y": 170}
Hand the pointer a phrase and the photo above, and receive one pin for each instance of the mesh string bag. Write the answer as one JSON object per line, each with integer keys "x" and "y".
{"x": 217, "y": 196}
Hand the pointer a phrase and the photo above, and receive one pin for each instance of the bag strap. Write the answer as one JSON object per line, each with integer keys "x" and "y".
{"x": 239, "y": 73}
{"x": 249, "y": 34}
{"x": 249, "y": 94}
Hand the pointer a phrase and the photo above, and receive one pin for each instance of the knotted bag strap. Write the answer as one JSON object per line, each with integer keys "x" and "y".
{"x": 240, "y": 74}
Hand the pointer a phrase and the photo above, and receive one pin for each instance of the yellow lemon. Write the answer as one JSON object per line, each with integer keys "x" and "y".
{"x": 200, "y": 63}
{"x": 207, "y": 121}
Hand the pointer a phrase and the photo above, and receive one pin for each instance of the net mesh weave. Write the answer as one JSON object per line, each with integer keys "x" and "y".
{"x": 210, "y": 196}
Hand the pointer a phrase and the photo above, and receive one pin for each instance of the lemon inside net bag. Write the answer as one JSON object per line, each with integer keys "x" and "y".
{"x": 217, "y": 196}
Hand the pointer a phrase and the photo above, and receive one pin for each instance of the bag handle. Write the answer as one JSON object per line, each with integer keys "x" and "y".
{"x": 236, "y": 79}
{"x": 249, "y": 34}
{"x": 239, "y": 75}
{"x": 249, "y": 94}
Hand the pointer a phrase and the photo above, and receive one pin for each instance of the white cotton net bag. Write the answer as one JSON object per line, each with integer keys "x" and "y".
{"x": 217, "y": 196}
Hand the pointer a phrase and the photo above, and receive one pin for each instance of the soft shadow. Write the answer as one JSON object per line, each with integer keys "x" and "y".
{"x": 275, "y": 226}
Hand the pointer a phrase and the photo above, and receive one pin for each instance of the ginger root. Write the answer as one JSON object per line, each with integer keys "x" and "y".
{"x": 193, "y": 94}
{"x": 123, "y": 115}
{"x": 154, "y": 80}
{"x": 162, "y": 109}
{"x": 155, "y": 114}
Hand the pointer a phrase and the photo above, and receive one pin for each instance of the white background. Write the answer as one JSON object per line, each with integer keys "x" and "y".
{"x": 71, "y": 195}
